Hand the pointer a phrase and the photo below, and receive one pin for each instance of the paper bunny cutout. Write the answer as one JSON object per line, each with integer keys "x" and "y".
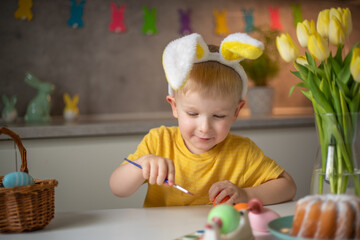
{"x": 71, "y": 111}
{"x": 297, "y": 13}
{"x": 24, "y": 10}
{"x": 149, "y": 26}
{"x": 185, "y": 22}
{"x": 275, "y": 18}
{"x": 221, "y": 22}
{"x": 249, "y": 19}
{"x": 76, "y": 13}
{"x": 38, "y": 110}
{"x": 117, "y": 16}
{"x": 180, "y": 55}
{"x": 9, "y": 112}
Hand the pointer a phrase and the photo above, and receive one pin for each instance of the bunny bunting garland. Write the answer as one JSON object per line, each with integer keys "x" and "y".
{"x": 180, "y": 55}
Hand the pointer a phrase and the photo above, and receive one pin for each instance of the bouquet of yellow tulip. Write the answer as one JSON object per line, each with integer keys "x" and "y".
{"x": 332, "y": 83}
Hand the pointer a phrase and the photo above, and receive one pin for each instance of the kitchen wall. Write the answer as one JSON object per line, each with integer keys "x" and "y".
{"x": 121, "y": 73}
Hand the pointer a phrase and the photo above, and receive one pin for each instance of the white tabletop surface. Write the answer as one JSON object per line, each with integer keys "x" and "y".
{"x": 132, "y": 223}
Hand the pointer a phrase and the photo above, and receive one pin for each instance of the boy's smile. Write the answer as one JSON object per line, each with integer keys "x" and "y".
{"x": 203, "y": 121}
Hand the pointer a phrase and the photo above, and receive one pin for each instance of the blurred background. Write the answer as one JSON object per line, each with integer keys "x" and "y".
{"x": 122, "y": 72}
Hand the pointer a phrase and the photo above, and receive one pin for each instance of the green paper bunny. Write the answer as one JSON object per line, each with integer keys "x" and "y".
{"x": 149, "y": 26}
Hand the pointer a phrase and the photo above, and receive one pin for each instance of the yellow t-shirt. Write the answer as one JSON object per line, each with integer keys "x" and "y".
{"x": 236, "y": 159}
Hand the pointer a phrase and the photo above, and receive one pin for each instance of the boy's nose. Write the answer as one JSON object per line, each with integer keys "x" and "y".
{"x": 204, "y": 125}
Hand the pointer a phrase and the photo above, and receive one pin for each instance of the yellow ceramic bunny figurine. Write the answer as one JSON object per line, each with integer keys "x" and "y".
{"x": 71, "y": 111}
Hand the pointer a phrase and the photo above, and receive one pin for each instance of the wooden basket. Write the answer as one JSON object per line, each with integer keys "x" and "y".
{"x": 26, "y": 208}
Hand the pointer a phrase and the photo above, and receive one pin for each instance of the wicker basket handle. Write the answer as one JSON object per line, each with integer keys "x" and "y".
{"x": 19, "y": 144}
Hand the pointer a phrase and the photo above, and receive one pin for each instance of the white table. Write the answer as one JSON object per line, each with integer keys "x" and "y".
{"x": 132, "y": 223}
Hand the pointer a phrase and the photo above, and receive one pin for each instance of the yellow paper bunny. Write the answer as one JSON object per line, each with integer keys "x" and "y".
{"x": 221, "y": 22}
{"x": 71, "y": 111}
{"x": 24, "y": 10}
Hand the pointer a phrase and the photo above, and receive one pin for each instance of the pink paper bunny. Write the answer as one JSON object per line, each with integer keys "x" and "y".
{"x": 275, "y": 18}
{"x": 117, "y": 15}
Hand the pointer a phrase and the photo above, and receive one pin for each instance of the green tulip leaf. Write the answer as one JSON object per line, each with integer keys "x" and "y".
{"x": 302, "y": 73}
{"x": 319, "y": 96}
{"x": 310, "y": 59}
{"x": 307, "y": 94}
{"x": 342, "y": 86}
{"x": 300, "y": 84}
{"x": 355, "y": 104}
{"x": 344, "y": 74}
{"x": 336, "y": 98}
{"x": 338, "y": 56}
{"x": 324, "y": 87}
{"x": 334, "y": 64}
{"x": 297, "y": 74}
{"x": 355, "y": 89}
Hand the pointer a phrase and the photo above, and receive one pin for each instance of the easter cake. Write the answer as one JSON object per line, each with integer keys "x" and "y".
{"x": 327, "y": 217}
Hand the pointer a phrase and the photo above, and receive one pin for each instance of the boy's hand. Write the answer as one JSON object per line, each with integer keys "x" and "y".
{"x": 156, "y": 169}
{"x": 219, "y": 190}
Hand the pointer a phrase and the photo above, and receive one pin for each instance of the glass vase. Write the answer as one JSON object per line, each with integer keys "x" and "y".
{"x": 336, "y": 168}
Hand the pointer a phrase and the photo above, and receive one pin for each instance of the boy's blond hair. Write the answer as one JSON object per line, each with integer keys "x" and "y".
{"x": 212, "y": 79}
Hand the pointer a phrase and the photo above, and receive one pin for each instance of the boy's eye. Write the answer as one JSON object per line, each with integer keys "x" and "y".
{"x": 219, "y": 116}
{"x": 192, "y": 114}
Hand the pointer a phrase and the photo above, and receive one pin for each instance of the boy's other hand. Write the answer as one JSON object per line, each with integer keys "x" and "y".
{"x": 219, "y": 190}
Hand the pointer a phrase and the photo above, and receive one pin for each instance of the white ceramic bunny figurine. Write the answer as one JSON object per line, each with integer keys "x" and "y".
{"x": 39, "y": 107}
{"x": 9, "y": 112}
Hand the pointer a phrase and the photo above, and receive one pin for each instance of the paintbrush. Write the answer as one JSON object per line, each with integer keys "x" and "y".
{"x": 176, "y": 186}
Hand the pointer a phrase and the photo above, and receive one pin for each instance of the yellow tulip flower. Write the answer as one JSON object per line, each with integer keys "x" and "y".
{"x": 322, "y": 24}
{"x": 355, "y": 64}
{"x": 335, "y": 12}
{"x": 336, "y": 31}
{"x": 287, "y": 49}
{"x": 346, "y": 22}
{"x": 304, "y": 30}
{"x": 318, "y": 47}
{"x": 301, "y": 60}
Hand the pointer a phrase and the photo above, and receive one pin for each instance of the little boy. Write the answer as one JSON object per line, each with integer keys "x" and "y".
{"x": 206, "y": 93}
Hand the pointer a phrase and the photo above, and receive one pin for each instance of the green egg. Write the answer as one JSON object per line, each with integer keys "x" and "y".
{"x": 229, "y": 216}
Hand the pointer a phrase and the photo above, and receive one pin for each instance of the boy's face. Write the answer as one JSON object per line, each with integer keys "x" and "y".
{"x": 204, "y": 121}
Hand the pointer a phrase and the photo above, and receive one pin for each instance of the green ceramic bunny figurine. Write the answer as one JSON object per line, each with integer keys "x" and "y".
{"x": 9, "y": 112}
{"x": 39, "y": 107}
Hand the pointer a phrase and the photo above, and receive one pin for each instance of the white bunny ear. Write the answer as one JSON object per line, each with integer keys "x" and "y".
{"x": 239, "y": 46}
{"x": 179, "y": 57}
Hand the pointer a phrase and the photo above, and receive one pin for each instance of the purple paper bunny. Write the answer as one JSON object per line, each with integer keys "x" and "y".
{"x": 185, "y": 22}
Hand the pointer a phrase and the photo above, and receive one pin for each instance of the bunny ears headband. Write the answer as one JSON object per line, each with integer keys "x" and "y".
{"x": 180, "y": 55}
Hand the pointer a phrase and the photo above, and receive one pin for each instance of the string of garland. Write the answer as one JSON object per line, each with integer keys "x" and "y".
{"x": 117, "y": 23}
